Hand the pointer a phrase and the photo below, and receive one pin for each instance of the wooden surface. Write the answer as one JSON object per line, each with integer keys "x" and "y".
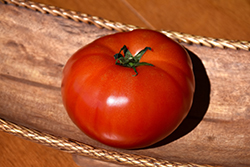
{"x": 222, "y": 137}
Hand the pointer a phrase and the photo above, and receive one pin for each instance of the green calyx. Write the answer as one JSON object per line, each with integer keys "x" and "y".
{"x": 128, "y": 60}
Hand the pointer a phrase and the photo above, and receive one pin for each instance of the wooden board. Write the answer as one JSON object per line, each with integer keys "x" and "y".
{"x": 35, "y": 47}
{"x": 228, "y": 19}
{"x": 17, "y": 152}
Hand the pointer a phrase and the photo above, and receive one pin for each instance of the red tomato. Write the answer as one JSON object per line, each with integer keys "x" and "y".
{"x": 129, "y": 106}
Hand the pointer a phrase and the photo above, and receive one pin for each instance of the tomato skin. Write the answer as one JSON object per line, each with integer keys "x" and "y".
{"x": 118, "y": 109}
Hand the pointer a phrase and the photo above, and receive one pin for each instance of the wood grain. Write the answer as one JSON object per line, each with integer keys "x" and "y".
{"x": 32, "y": 154}
{"x": 227, "y": 19}
{"x": 108, "y": 9}
{"x": 206, "y": 18}
{"x": 35, "y": 46}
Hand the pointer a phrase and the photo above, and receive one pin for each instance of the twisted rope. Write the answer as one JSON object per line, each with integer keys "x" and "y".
{"x": 103, "y": 23}
{"x": 75, "y": 147}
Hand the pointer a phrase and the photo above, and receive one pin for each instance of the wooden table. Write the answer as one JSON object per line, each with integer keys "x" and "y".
{"x": 219, "y": 19}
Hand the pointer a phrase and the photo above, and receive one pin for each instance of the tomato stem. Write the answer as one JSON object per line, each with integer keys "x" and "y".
{"x": 128, "y": 60}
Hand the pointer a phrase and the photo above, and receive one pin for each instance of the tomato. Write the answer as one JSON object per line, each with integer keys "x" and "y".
{"x": 124, "y": 100}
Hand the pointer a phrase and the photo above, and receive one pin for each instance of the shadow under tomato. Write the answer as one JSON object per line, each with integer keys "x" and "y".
{"x": 199, "y": 106}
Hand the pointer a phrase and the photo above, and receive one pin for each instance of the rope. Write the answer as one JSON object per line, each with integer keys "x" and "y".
{"x": 110, "y": 25}
{"x": 75, "y": 147}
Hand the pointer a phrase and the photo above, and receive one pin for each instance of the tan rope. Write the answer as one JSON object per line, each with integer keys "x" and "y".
{"x": 75, "y": 147}
{"x": 86, "y": 150}
{"x": 103, "y": 23}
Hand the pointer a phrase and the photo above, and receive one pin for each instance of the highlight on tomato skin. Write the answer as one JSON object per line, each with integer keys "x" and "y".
{"x": 129, "y": 90}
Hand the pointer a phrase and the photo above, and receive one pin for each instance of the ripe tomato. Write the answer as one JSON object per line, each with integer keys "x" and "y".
{"x": 131, "y": 105}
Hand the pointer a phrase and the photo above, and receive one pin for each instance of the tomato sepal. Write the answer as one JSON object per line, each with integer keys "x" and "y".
{"x": 128, "y": 60}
